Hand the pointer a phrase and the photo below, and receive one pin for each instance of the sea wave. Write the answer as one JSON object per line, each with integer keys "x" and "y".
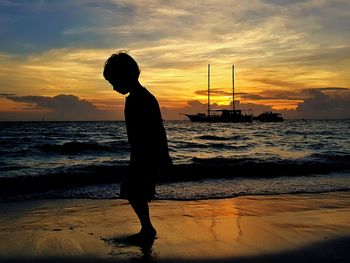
{"x": 221, "y": 138}
{"x": 74, "y": 147}
{"x": 199, "y": 169}
{"x": 208, "y": 189}
{"x": 213, "y": 138}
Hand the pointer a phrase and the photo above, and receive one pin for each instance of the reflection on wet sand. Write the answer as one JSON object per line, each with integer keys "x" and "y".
{"x": 207, "y": 230}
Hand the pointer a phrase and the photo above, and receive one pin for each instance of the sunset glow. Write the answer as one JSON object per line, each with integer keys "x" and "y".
{"x": 286, "y": 53}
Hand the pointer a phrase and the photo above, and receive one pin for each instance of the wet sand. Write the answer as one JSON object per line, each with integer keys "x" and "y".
{"x": 280, "y": 228}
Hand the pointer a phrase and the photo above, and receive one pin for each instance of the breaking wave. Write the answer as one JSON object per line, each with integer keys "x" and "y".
{"x": 199, "y": 169}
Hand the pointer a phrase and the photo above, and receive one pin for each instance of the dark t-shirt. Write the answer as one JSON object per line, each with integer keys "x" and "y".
{"x": 145, "y": 130}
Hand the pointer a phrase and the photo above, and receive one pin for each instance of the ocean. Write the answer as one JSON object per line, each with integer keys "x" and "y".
{"x": 211, "y": 160}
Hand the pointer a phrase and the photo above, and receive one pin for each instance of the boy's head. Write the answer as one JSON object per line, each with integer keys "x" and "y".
{"x": 122, "y": 71}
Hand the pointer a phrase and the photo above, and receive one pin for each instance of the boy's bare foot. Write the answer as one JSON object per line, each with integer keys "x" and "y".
{"x": 143, "y": 238}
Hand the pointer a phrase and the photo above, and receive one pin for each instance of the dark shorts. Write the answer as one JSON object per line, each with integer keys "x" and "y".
{"x": 139, "y": 183}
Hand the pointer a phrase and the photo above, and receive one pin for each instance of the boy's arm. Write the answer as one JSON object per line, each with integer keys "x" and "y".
{"x": 165, "y": 160}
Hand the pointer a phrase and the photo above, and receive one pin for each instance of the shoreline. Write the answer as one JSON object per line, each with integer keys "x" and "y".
{"x": 255, "y": 228}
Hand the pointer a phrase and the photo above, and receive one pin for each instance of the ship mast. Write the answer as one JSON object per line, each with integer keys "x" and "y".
{"x": 233, "y": 87}
{"x": 208, "y": 89}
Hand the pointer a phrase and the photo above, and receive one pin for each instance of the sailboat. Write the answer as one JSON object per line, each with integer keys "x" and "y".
{"x": 232, "y": 115}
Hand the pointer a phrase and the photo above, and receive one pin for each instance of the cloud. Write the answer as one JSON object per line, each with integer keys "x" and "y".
{"x": 217, "y": 92}
{"x": 295, "y": 95}
{"x": 332, "y": 89}
{"x": 63, "y": 107}
{"x": 317, "y": 104}
{"x": 288, "y": 90}
{"x": 321, "y": 105}
{"x": 284, "y": 2}
{"x": 34, "y": 26}
{"x": 57, "y": 103}
{"x": 281, "y": 47}
{"x": 7, "y": 94}
{"x": 233, "y": 27}
{"x": 280, "y": 83}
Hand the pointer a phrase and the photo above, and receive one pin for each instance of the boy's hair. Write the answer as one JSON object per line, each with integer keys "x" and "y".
{"x": 121, "y": 64}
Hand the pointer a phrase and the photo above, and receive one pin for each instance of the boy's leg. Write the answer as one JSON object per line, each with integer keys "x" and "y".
{"x": 142, "y": 211}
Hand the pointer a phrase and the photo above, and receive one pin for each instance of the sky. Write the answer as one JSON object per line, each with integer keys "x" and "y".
{"x": 290, "y": 56}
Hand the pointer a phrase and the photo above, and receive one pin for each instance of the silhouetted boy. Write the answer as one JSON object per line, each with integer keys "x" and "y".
{"x": 147, "y": 139}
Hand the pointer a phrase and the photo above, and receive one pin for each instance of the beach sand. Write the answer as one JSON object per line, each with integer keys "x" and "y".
{"x": 279, "y": 228}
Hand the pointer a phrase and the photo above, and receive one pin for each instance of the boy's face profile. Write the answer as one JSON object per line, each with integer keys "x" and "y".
{"x": 120, "y": 85}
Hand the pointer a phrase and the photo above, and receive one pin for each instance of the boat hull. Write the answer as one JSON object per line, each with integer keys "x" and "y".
{"x": 206, "y": 118}
{"x": 269, "y": 117}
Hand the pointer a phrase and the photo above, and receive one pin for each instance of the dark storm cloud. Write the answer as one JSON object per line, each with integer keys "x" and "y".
{"x": 59, "y": 102}
{"x": 332, "y": 89}
{"x": 320, "y": 105}
{"x": 63, "y": 107}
